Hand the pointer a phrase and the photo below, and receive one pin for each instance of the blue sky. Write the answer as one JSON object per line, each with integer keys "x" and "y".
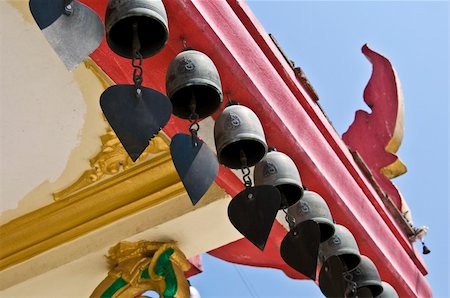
{"x": 325, "y": 39}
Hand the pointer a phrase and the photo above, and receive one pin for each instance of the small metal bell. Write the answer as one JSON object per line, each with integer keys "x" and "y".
{"x": 278, "y": 169}
{"x": 313, "y": 225}
{"x": 193, "y": 85}
{"x": 151, "y": 19}
{"x": 343, "y": 245}
{"x": 239, "y": 135}
{"x": 337, "y": 256}
{"x": 367, "y": 278}
{"x": 313, "y": 207}
{"x": 388, "y": 291}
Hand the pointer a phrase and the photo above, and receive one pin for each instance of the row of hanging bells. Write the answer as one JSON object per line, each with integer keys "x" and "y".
{"x": 346, "y": 273}
{"x": 192, "y": 84}
{"x": 138, "y": 29}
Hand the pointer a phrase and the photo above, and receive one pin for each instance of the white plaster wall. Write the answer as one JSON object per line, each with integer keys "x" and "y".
{"x": 43, "y": 114}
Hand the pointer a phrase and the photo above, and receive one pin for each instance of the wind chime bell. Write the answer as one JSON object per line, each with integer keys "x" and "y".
{"x": 136, "y": 29}
{"x": 239, "y": 137}
{"x": 313, "y": 207}
{"x": 278, "y": 169}
{"x": 338, "y": 255}
{"x": 193, "y": 85}
{"x": 240, "y": 144}
{"x": 343, "y": 245}
{"x": 367, "y": 278}
{"x": 310, "y": 223}
{"x": 150, "y": 18}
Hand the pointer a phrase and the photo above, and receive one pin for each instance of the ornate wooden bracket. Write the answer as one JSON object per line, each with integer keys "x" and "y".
{"x": 143, "y": 266}
{"x": 377, "y": 136}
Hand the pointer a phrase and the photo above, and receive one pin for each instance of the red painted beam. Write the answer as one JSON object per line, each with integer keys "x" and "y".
{"x": 253, "y": 73}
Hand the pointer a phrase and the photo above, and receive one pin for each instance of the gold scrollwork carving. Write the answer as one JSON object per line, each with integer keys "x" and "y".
{"x": 109, "y": 161}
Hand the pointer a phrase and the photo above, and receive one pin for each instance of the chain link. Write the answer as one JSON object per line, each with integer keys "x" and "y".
{"x": 289, "y": 219}
{"x": 350, "y": 291}
{"x": 246, "y": 177}
{"x": 138, "y": 71}
{"x": 194, "y": 128}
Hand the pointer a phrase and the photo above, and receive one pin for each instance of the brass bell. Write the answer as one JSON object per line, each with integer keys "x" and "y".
{"x": 337, "y": 256}
{"x": 313, "y": 207}
{"x": 239, "y": 137}
{"x": 310, "y": 224}
{"x": 193, "y": 85}
{"x": 388, "y": 291}
{"x": 343, "y": 245}
{"x": 152, "y": 28}
{"x": 278, "y": 169}
{"x": 367, "y": 278}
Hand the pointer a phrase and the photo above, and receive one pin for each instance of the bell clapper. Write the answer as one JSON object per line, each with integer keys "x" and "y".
{"x": 68, "y": 8}
{"x": 137, "y": 65}
{"x": 193, "y": 118}
{"x": 245, "y": 170}
{"x": 351, "y": 285}
{"x": 290, "y": 220}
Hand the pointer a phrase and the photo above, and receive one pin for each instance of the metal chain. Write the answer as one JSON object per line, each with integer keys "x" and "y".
{"x": 194, "y": 127}
{"x": 245, "y": 170}
{"x": 246, "y": 177}
{"x": 68, "y": 7}
{"x": 350, "y": 291}
{"x": 136, "y": 61}
{"x": 138, "y": 71}
{"x": 289, "y": 219}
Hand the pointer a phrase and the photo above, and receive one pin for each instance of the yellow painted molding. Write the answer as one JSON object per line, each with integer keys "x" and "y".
{"x": 396, "y": 168}
{"x": 142, "y": 186}
{"x": 111, "y": 159}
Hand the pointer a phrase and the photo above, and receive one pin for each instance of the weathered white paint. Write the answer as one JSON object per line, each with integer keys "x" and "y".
{"x": 50, "y": 118}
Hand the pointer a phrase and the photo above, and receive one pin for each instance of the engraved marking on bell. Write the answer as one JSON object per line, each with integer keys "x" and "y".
{"x": 117, "y": 3}
{"x": 357, "y": 271}
{"x": 233, "y": 122}
{"x": 187, "y": 64}
{"x": 334, "y": 241}
{"x": 269, "y": 169}
{"x": 348, "y": 276}
{"x": 304, "y": 207}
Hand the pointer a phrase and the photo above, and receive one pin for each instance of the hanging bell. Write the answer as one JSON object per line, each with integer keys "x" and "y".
{"x": 193, "y": 85}
{"x": 343, "y": 245}
{"x": 239, "y": 137}
{"x": 338, "y": 255}
{"x": 278, "y": 169}
{"x": 151, "y": 19}
{"x": 388, "y": 291}
{"x": 367, "y": 278}
{"x": 313, "y": 207}
{"x": 313, "y": 225}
